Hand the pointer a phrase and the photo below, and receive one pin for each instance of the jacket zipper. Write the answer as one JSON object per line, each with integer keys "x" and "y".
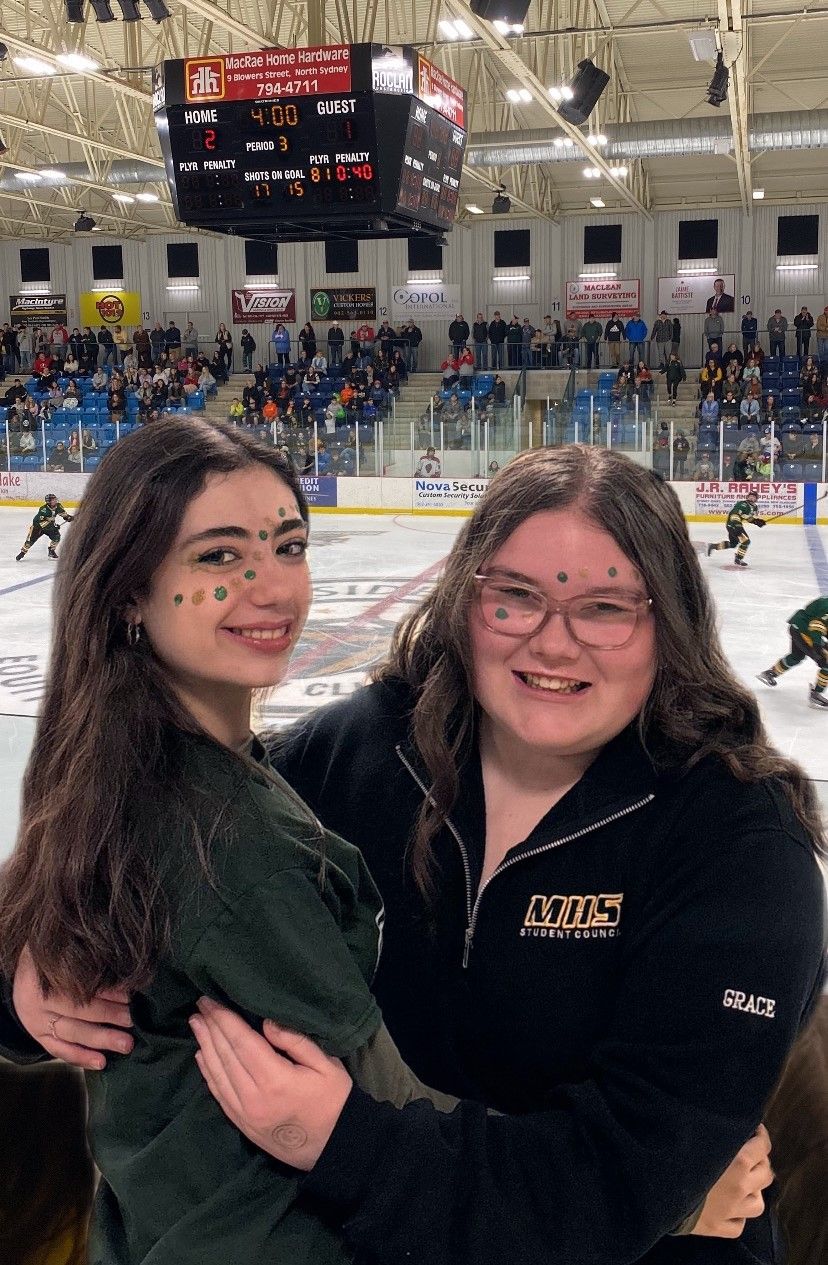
{"x": 473, "y": 905}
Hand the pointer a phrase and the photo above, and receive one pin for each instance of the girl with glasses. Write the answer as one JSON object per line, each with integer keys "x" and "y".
{"x": 603, "y": 906}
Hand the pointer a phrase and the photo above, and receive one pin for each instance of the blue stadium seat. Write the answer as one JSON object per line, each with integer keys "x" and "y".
{"x": 792, "y": 470}
{"x": 812, "y": 428}
{"x": 790, "y": 364}
{"x": 811, "y": 471}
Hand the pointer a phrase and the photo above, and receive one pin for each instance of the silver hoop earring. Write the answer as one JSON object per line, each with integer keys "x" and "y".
{"x": 133, "y": 633}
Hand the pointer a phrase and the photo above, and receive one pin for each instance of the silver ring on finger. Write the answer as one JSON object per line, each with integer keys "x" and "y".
{"x": 53, "y": 1026}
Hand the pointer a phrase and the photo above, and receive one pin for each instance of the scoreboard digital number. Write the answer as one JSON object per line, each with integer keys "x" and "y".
{"x": 327, "y": 138}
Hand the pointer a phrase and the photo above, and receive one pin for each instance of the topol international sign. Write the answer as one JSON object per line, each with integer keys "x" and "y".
{"x": 425, "y": 301}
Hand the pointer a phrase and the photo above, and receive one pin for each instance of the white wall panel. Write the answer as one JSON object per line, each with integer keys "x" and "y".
{"x": 747, "y": 247}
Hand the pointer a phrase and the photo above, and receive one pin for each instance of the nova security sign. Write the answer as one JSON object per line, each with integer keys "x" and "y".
{"x": 257, "y": 306}
{"x": 425, "y": 301}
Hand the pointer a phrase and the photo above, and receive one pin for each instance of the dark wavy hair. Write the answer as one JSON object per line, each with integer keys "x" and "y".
{"x": 696, "y": 707}
{"x": 84, "y": 887}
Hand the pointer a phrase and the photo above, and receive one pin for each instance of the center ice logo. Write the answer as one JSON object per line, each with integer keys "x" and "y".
{"x": 205, "y": 79}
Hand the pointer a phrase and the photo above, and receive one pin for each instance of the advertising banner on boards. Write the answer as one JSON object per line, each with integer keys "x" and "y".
{"x": 37, "y": 309}
{"x": 677, "y": 295}
{"x": 340, "y": 303}
{"x": 253, "y": 307}
{"x": 716, "y": 499}
{"x": 602, "y": 298}
{"x": 110, "y": 307}
{"x": 319, "y": 489}
{"x": 448, "y": 494}
{"x": 425, "y": 301}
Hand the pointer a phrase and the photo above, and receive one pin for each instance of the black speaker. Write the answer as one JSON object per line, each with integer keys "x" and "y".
{"x": 512, "y": 12}
{"x": 587, "y": 86}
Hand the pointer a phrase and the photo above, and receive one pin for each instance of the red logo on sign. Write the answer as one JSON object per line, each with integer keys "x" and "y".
{"x": 205, "y": 78}
{"x": 256, "y": 306}
{"x": 110, "y": 309}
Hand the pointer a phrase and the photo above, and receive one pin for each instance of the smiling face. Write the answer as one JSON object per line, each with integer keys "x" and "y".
{"x": 228, "y": 603}
{"x": 545, "y": 694}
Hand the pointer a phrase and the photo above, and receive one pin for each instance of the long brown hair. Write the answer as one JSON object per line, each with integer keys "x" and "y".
{"x": 696, "y": 707}
{"x": 84, "y": 886}
{"x": 47, "y": 1178}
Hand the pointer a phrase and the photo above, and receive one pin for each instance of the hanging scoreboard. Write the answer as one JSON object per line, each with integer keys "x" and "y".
{"x": 358, "y": 140}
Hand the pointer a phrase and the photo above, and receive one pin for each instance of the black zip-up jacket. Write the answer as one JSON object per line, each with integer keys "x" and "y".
{"x": 624, "y": 988}
{"x": 480, "y": 332}
{"x": 497, "y": 331}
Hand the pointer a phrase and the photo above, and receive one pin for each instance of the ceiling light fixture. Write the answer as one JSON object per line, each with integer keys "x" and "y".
{"x": 796, "y": 267}
{"x": 598, "y": 203}
{"x": 503, "y": 28}
{"x": 618, "y": 172}
{"x": 758, "y": 195}
{"x": 52, "y": 173}
{"x": 29, "y": 177}
{"x": 697, "y": 272}
{"x": 512, "y": 94}
{"x": 77, "y": 61}
{"x": 447, "y": 28}
{"x": 475, "y": 210}
{"x": 147, "y": 197}
{"x": 600, "y": 139}
{"x": 597, "y": 276}
{"x": 513, "y": 276}
{"x": 35, "y": 66}
{"x": 592, "y": 173}
{"x": 123, "y": 197}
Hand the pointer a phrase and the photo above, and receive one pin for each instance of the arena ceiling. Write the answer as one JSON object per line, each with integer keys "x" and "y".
{"x": 96, "y": 120}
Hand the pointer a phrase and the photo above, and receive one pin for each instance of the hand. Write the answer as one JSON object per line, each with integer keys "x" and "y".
{"x": 737, "y": 1195}
{"x": 283, "y": 1093}
{"x": 66, "y": 1030}
{"x": 760, "y": 522}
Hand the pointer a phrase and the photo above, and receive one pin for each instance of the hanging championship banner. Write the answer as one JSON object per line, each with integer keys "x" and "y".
{"x": 110, "y": 307}
{"x": 253, "y": 307}
{"x": 341, "y": 304}
{"x": 677, "y": 295}
{"x": 37, "y": 309}
{"x": 602, "y": 298}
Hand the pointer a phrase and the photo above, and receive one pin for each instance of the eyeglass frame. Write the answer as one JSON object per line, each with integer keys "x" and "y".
{"x": 554, "y": 607}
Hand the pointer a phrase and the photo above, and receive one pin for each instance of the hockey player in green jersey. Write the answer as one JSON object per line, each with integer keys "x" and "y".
{"x": 809, "y": 640}
{"x": 737, "y": 538}
{"x": 44, "y": 523}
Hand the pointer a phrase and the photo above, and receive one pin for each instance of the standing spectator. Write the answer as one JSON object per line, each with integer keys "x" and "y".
{"x": 25, "y": 346}
{"x": 497, "y": 337}
{"x": 248, "y": 346}
{"x": 458, "y": 334}
{"x": 803, "y": 323}
{"x": 143, "y": 346}
{"x": 106, "y": 346}
{"x": 157, "y": 341}
{"x": 663, "y": 336}
{"x": 465, "y": 367}
{"x": 591, "y": 333}
{"x": 527, "y": 333}
{"x": 480, "y": 338}
{"x": 365, "y": 338}
{"x": 674, "y": 376}
{"x": 58, "y": 339}
{"x": 281, "y": 345}
{"x": 499, "y": 390}
{"x": 676, "y": 343}
{"x": 777, "y": 329}
{"x": 514, "y": 340}
{"x": 552, "y": 338}
{"x": 661, "y": 450}
{"x": 307, "y": 342}
{"x": 713, "y": 327}
{"x": 172, "y": 341}
{"x": 822, "y": 334}
{"x": 122, "y": 344}
{"x": 10, "y": 353}
{"x": 750, "y": 331}
{"x": 224, "y": 348}
{"x": 336, "y": 341}
{"x": 614, "y": 333}
{"x": 385, "y": 337}
{"x": 635, "y": 333}
{"x": 189, "y": 340}
{"x": 413, "y": 336}
{"x": 681, "y": 451}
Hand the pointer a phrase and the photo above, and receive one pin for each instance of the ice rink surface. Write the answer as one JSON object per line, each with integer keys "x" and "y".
{"x": 369, "y": 569}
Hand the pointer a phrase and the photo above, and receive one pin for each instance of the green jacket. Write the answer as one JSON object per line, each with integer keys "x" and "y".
{"x": 591, "y": 331}
{"x": 180, "y": 1185}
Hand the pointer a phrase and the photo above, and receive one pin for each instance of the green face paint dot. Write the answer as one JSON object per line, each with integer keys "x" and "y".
{"x": 220, "y": 593}
{"x": 263, "y": 535}
{"x": 178, "y": 599}
{"x": 613, "y": 571}
{"x": 563, "y": 577}
{"x": 250, "y": 575}
{"x": 282, "y": 511}
{"x": 500, "y": 613}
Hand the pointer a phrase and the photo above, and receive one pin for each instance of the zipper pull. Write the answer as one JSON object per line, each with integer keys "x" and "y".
{"x": 467, "y": 946}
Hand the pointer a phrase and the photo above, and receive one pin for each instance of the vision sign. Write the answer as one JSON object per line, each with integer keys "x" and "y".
{"x": 254, "y": 307}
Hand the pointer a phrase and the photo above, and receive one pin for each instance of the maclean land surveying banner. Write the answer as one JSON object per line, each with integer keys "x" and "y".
{"x": 602, "y": 298}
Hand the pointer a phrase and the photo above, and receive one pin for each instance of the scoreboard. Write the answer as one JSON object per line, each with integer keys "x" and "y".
{"x": 359, "y": 139}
